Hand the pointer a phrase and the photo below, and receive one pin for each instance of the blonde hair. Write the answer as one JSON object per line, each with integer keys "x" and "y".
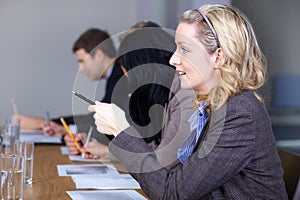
{"x": 243, "y": 64}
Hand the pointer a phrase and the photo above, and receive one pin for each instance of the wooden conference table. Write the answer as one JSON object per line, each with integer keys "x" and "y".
{"x": 46, "y": 182}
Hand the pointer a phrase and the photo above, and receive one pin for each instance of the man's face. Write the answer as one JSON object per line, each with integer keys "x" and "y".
{"x": 88, "y": 65}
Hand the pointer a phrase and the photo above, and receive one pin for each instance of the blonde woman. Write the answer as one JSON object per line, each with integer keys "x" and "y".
{"x": 231, "y": 152}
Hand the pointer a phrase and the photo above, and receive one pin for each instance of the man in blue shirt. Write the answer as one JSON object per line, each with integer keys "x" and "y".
{"x": 95, "y": 54}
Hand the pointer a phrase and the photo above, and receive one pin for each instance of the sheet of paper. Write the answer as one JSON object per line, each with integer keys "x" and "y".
{"x": 39, "y": 137}
{"x": 106, "y": 181}
{"x": 80, "y": 159}
{"x": 25, "y": 132}
{"x": 105, "y": 194}
{"x": 65, "y": 151}
{"x": 84, "y": 169}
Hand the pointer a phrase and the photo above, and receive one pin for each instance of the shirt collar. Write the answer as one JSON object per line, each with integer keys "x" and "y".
{"x": 109, "y": 72}
{"x": 193, "y": 120}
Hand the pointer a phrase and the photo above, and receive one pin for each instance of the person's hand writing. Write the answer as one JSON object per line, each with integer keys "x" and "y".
{"x": 109, "y": 118}
{"x": 71, "y": 145}
{"x": 96, "y": 150}
{"x": 87, "y": 154}
{"x": 54, "y": 129}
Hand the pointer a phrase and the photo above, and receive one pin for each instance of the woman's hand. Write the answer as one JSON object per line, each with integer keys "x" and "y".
{"x": 109, "y": 118}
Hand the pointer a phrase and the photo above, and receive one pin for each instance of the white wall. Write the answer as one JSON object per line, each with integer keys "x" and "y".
{"x": 38, "y": 68}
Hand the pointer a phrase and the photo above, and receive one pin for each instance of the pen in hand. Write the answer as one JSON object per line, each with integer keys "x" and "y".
{"x": 88, "y": 139}
{"x": 47, "y": 118}
{"x": 14, "y": 106}
{"x": 69, "y": 132}
{"x": 83, "y": 98}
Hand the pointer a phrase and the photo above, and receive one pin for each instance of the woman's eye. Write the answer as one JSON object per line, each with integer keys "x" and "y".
{"x": 184, "y": 50}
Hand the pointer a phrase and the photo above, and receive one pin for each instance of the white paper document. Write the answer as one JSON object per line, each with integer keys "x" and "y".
{"x": 80, "y": 159}
{"x": 106, "y": 181}
{"x": 70, "y": 170}
{"x": 105, "y": 194}
{"x": 65, "y": 151}
{"x": 39, "y": 137}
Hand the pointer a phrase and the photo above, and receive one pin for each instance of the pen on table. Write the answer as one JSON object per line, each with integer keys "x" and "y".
{"x": 88, "y": 139}
{"x": 69, "y": 132}
{"x": 83, "y": 98}
{"x": 14, "y": 106}
{"x": 47, "y": 118}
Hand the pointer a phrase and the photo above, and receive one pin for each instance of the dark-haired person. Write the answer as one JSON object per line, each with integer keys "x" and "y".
{"x": 95, "y": 54}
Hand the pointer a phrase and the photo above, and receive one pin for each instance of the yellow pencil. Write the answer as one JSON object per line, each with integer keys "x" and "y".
{"x": 68, "y": 131}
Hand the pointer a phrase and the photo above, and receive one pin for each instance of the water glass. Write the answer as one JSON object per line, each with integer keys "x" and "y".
{"x": 26, "y": 149}
{"x": 11, "y": 176}
{"x": 11, "y": 134}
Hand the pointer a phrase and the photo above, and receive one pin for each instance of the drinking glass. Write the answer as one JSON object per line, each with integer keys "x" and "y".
{"x": 11, "y": 176}
{"x": 26, "y": 149}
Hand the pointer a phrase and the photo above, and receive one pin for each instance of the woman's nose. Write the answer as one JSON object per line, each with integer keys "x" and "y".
{"x": 175, "y": 59}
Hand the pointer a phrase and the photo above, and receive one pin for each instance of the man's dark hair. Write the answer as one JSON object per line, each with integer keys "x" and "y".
{"x": 95, "y": 38}
{"x": 143, "y": 24}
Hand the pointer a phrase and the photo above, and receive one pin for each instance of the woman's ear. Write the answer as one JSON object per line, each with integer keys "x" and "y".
{"x": 218, "y": 57}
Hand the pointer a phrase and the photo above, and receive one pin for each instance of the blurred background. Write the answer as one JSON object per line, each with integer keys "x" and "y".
{"x": 39, "y": 70}
{"x": 277, "y": 27}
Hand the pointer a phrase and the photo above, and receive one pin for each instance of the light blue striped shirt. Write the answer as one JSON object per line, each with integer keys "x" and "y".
{"x": 197, "y": 122}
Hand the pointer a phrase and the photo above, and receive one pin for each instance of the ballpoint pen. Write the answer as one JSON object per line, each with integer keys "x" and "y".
{"x": 88, "y": 139}
{"x": 14, "y": 106}
{"x": 47, "y": 118}
{"x": 83, "y": 98}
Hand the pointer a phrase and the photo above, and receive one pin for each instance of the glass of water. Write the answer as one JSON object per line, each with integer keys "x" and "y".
{"x": 11, "y": 134}
{"x": 11, "y": 176}
{"x": 26, "y": 149}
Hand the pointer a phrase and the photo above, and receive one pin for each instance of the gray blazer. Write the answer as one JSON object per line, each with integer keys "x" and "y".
{"x": 236, "y": 158}
{"x": 175, "y": 123}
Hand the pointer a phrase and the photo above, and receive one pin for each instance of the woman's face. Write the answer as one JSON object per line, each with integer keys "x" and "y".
{"x": 196, "y": 68}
